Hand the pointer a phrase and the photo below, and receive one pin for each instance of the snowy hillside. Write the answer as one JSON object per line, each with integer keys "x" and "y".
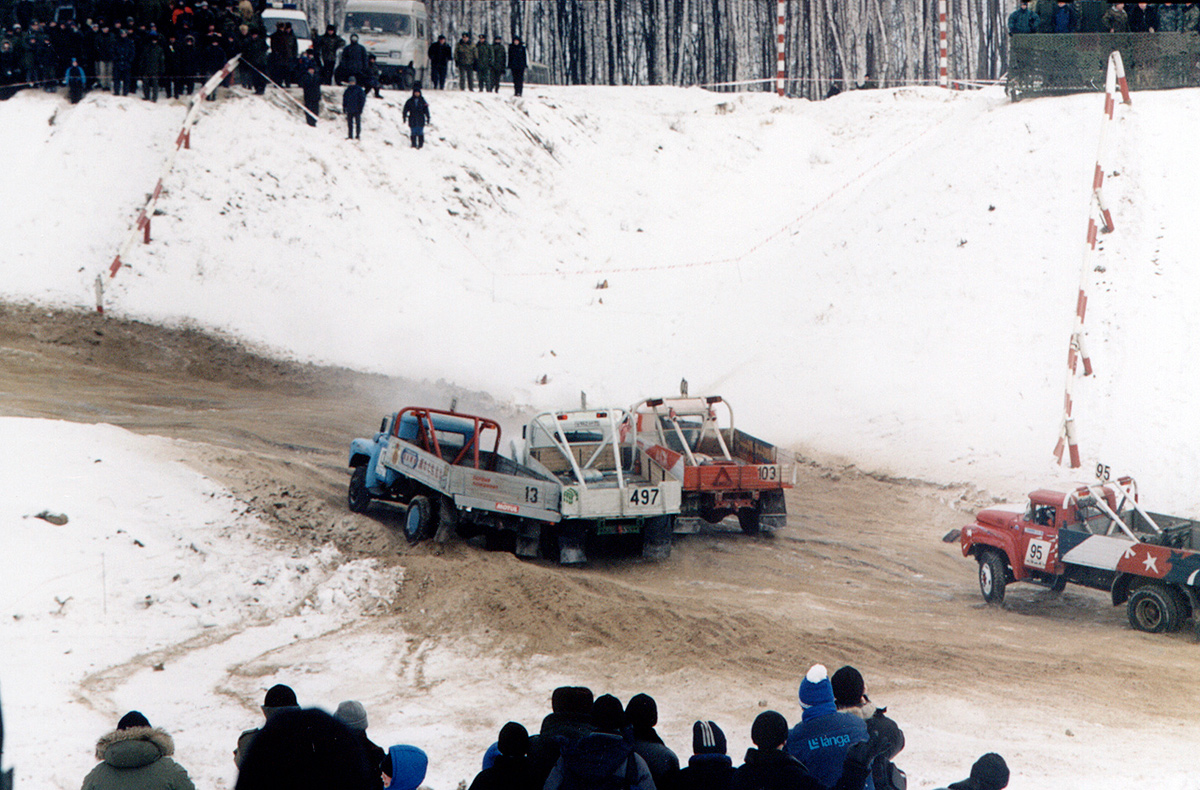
{"x": 887, "y": 277}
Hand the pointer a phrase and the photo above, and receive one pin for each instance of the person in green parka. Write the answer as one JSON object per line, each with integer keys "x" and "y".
{"x": 499, "y": 64}
{"x": 136, "y": 756}
{"x": 483, "y": 62}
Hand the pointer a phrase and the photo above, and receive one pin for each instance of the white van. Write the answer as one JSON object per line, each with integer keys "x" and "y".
{"x": 396, "y": 32}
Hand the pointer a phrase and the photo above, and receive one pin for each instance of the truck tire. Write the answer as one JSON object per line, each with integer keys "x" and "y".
{"x": 748, "y": 519}
{"x": 418, "y": 519}
{"x": 993, "y": 576}
{"x": 1154, "y": 609}
{"x": 358, "y": 497}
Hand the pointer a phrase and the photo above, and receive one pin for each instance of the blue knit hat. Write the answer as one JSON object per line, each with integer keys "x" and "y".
{"x": 408, "y": 767}
{"x": 816, "y": 689}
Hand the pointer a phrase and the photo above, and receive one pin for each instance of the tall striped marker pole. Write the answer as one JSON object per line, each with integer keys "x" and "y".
{"x": 1099, "y": 219}
{"x": 943, "y": 72}
{"x": 780, "y": 71}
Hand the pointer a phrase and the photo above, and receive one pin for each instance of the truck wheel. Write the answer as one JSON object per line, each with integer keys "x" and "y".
{"x": 418, "y": 519}
{"x": 1153, "y": 609}
{"x": 748, "y": 519}
{"x": 992, "y": 577}
{"x": 358, "y": 497}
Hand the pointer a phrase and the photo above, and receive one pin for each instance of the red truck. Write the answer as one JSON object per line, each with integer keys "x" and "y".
{"x": 1097, "y": 536}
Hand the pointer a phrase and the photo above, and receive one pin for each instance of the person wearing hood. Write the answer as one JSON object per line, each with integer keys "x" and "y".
{"x": 353, "y": 62}
{"x": 75, "y": 80}
{"x": 570, "y": 719}
{"x": 709, "y": 767}
{"x": 136, "y": 756}
{"x": 279, "y": 698}
{"x": 824, "y": 735}
{"x": 153, "y": 65}
{"x": 642, "y": 711}
{"x": 310, "y": 83}
{"x": 850, "y": 696}
{"x": 404, "y": 768}
{"x": 306, "y": 749}
{"x": 989, "y": 772}
{"x": 416, "y": 113}
{"x": 603, "y": 755}
{"x": 510, "y": 768}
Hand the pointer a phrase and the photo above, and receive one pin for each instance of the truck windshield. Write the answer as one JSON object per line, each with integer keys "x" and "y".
{"x": 375, "y": 22}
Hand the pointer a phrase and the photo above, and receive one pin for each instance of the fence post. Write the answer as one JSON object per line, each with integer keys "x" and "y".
{"x": 780, "y": 70}
{"x": 943, "y": 73}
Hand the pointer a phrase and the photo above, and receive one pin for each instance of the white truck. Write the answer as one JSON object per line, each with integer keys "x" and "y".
{"x": 396, "y": 32}
{"x": 610, "y": 486}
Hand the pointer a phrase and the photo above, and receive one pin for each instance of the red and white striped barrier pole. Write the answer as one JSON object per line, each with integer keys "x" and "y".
{"x": 780, "y": 70}
{"x": 1099, "y": 218}
{"x": 182, "y": 140}
{"x": 943, "y": 61}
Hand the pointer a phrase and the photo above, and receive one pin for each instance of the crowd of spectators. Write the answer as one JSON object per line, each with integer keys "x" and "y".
{"x": 841, "y": 742}
{"x": 1060, "y": 16}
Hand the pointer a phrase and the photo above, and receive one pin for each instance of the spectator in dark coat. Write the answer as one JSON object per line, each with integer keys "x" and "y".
{"x": 404, "y": 768}
{"x": 277, "y": 61}
{"x": 1143, "y": 17}
{"x": 75, "y": 80}
{"x": 102, "y": 44}
{"x": 124, "y": 52}
{"x": 499, "y": 64}
{"x": 212, "y": 60}
{"x": 328, "y": 45}
{"x": 517, "y": 62}
{"x": 1115, "y": 20}
{"x": 154, "y": 60}
{"x": 416, "y": 113}
{"x": 483, "y": 63}
{"x": 511, "y": 769}
{"x": 353, "y": 62}
{"x": 310, "y": 83}
{"x": 1023, "y": 20}
{"x": 279, "y": 698}
{"x": 187, "y": 57}
{"x": 1064, "y": 18}
{"x": 768, "y": 766}
{"x": 353, "y": 102}
{"x": 464, "y": 61}
{"x": 642, "y": 711}
{"x": 824, "y": 736}
{"x": 569, "y": 721}
{"x": 10, "y": 70}
{"x": 136, "y": 756}
{"x": 599, "y": 757}
{"x": 850, "y": 696}
{"x": 255, "y": 54}
{"x": 439, "y": 61}
{"x": 372, "y": 79}
{"x": 46, "y": 60}
{"x": 1169, "y": 17}
{"x": 989, "y": 772}
{"x": 709, "y": 767}
{"x": 351, "y": 712}
{"x": 6, "y": 777}
{"x": 306, "y": 750}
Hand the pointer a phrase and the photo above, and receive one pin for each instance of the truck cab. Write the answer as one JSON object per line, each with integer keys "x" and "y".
{"x": 396, "y": 32}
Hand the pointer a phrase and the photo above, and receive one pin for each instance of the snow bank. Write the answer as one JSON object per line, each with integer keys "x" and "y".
{"x": 887, "y": 277}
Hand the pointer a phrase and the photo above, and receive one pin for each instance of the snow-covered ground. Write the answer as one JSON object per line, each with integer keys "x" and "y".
{"x": 887, "y": 277}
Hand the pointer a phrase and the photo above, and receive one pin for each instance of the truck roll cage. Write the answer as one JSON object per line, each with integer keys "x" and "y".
{"x": 451, "y": 422}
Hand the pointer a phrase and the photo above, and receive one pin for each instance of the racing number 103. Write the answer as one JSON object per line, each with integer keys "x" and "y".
{"x": 768, "y": 473}
{"x": 643, "y": 496}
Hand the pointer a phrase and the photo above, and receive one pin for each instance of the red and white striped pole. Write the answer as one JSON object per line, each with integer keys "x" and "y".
{"x": 1099, "y": 218}
{"x": 943, "y": 72}
{"x": 780, "y": 71}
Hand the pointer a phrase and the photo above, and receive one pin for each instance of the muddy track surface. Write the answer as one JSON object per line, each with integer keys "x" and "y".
{"x": 860, "y": 574}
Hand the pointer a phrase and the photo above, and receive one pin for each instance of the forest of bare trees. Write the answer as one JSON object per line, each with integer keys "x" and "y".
{"x": 829, "y": 43}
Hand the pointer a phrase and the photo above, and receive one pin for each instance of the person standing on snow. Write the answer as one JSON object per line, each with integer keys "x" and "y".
{"x": 823, "y": 737}
{"x": 439, "y": 60}
{"x": 310, "y": 83}
{"x": 416, "y": 113}
{"x": 602, "y": 757}
{"x": 278, "y": 699}
{"x": 989, "y": 772}
{"x": 464, "y": 61}
{"x": 499, "y": 64}
{"x": 353, "y": 102}
{"x": 136, "y": 756}
{"x": 518, "y": 61}
{"x": 1023, "y": 20}
{"x": 850, "y": 696}
{"x": 483, "y": 63}
{"x": 75, "y": 80}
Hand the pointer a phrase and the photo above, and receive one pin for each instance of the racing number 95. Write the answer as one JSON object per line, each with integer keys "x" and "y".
{"x": 643, "y": 496}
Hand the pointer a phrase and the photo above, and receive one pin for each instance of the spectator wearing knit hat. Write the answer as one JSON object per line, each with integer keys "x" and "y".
{"x": 642, "y": 711}
{"x": 850, "y": 695}
{"x": 569, "y": 720}
{"x": 989, "y": 772}
{"x": 511, "y": 768}
{"x": 824, "y": 735}
{"x": 768, "y": 766}
{"x": 278, "y": 698}
{"x": 306, "y": 750}
{"x": 709, "y": 767}
{"x": 354, "y": 715}
{"x": 603, "y": 755}
{"x": 136, "y": 756}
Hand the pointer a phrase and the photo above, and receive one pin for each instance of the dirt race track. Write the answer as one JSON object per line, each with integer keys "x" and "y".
{"x": 860, "y": 574}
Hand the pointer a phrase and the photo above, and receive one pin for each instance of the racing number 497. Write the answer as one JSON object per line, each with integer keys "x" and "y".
{"x": 643, "y": 496}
